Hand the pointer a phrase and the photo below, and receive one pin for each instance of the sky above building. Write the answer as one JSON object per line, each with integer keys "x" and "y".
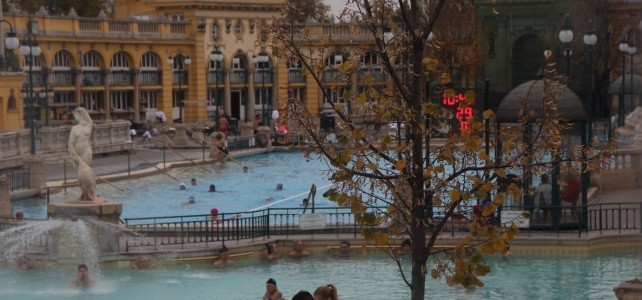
{"x": 335, "y": 6}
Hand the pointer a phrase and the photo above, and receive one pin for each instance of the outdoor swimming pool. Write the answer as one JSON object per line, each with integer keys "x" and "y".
{"x": 373, "y": 276}
{"x": 159, "y": 195}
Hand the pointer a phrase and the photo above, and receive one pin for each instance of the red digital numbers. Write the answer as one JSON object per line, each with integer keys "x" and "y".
{"x": 462, "y": 114}
{"x": 452, "y": 100}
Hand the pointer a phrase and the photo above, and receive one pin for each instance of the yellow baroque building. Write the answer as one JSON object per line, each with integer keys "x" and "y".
{"x": 157, "y": 56}
{"x": 152, "y": 56}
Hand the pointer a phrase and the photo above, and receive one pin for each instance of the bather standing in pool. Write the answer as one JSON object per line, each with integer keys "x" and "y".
{"x": 82, "y": 280}
{"x": 271, "y": 292}
{"x": 272, "y": 251}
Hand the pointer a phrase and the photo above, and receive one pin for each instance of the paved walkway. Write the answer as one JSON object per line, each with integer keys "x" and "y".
{"x": 143, "y": 157}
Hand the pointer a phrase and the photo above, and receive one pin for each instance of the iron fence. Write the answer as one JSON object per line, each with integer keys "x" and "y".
{"x": 18, "y": 178}
{"x": 198, "y": 231}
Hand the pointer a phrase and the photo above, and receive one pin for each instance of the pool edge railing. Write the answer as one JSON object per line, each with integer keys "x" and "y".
{"x": 175, "y": 230}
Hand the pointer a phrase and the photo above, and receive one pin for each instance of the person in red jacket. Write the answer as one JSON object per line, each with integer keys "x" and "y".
{"x": 570, "y": 194}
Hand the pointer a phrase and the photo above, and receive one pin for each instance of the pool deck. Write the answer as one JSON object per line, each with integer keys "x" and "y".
{"x": 115, "y": 166}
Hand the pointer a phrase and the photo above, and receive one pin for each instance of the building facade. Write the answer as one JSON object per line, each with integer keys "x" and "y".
{"x": 188, "y": 58}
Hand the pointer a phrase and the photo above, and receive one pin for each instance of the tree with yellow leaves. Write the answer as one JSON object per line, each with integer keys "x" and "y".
{"x": 427, "y": 173}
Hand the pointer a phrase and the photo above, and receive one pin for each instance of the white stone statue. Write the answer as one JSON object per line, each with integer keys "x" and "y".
{"x": 82, "y": 155}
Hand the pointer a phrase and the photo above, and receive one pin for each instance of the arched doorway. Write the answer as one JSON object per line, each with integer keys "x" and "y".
{"x": 527, "y": 58}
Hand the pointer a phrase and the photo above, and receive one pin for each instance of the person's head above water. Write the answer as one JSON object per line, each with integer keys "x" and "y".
{"x": 244, "y": 169}
{"x": 193, "y": 181}
{"x": 182, "y": 186}
{"x": 191, "y": 199}
{"x": 279, "y": 186}
{"x": 212, "y": 188}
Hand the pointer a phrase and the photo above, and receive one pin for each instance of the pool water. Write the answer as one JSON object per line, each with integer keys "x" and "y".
{"x": 159, "y": 195}
{"x": 371, "y": 276}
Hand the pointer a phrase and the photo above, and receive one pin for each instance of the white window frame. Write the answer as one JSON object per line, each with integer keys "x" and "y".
{"x": 121, "y": 100}
{"x": 152, "y": 99}
{"x": 92, "y": 100}
{"x": 61, "y": 61}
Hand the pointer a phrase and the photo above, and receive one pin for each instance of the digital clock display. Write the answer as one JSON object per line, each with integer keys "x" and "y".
{"x": 459, "y": 108}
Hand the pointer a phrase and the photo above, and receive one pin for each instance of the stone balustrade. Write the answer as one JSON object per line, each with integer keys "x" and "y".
{"x": 106, "y": 137}
{"x": 624, "y": 171}
{"x": 65, "y": 26}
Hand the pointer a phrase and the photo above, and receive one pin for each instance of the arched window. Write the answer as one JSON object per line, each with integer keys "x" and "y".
{"x": 216, "y": 31}
{"x": 334, "y": 59}
{"x": 369, "y": 60}
{"x": 238, "y": 62}
{"x": 239, "y": 71}
{"x": 120, "y": 61}
{"x": 263, "y": 65}
{"x": 61, "y": 61}
{"x": 90, "y": 61}
{"x": 11, "y": 104}
{"x": 91, "y": 65}
{"x": 120, "y": 73}
{"x": 149, "y": 61}
{"x": 216, "y": 64}
{"x": 527, "y": 58}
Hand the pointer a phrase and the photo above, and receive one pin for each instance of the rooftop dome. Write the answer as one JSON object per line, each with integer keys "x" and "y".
{"x": 569, "y": 106}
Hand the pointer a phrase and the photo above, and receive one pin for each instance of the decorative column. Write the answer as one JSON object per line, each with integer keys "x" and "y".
{"x": 36, "y": 176}
{"x": 136, "y": 95}
{"x": 227, "y": 91}
{"x": 107, "y": 94}
{"x": 6, "y": 209}
{"x": 77, "y": 93}
{"x": 251, "y": 97}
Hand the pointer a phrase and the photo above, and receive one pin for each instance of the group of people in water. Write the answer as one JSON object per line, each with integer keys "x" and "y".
{"x": 324, "y": 292}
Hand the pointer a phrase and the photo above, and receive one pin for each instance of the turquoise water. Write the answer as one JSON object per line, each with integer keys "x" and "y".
{"x": 373, "y": 276}
{"x": 159, "y": 195}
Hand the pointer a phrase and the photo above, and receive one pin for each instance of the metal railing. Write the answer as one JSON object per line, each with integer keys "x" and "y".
{"x": 92, "y": 78}
{"x": 197, "y": 229}
{"x": 150, "y": 77}
{"x": 18, "y": 178}
{"x": 180, "y": 230}
{"x": 295, "y": 76}
{"x": 172, "y": 232}
{"x": 61, "y": 78}
{"x": 121, "y": 78}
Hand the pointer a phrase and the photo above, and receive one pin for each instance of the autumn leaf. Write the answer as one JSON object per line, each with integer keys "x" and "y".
{"x": 454, "y": 195}
{"x": 488, "y": 114}
{"x": 400, "y": 165}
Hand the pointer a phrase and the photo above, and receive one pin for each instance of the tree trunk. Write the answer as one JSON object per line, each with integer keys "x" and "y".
{"x": 419, "y": 257}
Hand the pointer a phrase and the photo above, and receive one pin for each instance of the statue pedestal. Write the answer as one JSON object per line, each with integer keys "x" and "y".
{"x": 102, "y": 209}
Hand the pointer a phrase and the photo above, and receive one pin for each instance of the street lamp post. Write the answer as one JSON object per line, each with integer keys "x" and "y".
{"x": 31, "y": 49}
{"x": 181, "y": 62}
{"x": 624, "y": 48}
{"x": 566, "y": 36}
{"x": 589, "y": 40}
{"x": 216, "y": 57}
{"x": 631, "y": 50}
{"x": 11, "y": 42}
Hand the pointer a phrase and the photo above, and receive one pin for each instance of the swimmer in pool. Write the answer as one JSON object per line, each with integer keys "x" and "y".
{"x": 82, "y": 280}
{"x": 190, "y": 200}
